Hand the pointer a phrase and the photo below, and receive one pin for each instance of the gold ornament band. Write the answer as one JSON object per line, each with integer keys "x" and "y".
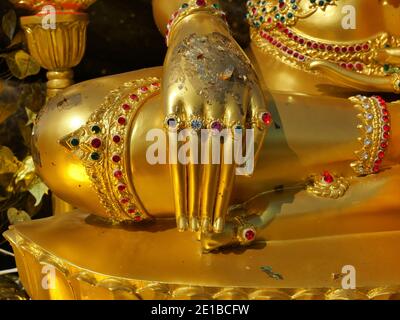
{"x": 190, "y": 8}
{"x": 101, "y": 145}
{"x": 375, "y": 128}
{"x": 269, "y": 14}
{"x": 272, "y": 25}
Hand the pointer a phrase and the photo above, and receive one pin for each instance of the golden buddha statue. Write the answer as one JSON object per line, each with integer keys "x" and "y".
{"x": 317, "y": 91}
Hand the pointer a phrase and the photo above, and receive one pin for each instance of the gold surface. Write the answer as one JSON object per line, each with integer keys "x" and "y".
{"x": 304, "y": 238}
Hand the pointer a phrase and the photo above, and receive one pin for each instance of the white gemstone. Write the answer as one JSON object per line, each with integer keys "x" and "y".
{"x": 369, "y": 129}
{"x": 365, "y": 156}
{"x": 367, "y": 142}
{"x": 366, "y": 106}
{"x": 369, "y": 116}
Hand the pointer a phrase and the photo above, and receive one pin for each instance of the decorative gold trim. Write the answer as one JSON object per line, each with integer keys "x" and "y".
{"x": 101, "y": 145}
{"x": 124, "y": 288}
{"x": 190, "y": 8}
{"x": 375, "y": 133}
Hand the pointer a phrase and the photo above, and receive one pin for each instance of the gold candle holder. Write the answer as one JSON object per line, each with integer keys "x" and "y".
{"x": 57, "y": 49}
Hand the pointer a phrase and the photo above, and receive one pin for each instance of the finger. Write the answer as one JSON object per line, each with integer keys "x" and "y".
{"x": 194, "y": 169}
{"x": 211, "y": 159}
{"x": 210, "y": 176}
{"x": 178, "y": 174}
{"x": 261, "y": 119}
{"x": 234, "y": 118}
{"x": 173, "y": 122}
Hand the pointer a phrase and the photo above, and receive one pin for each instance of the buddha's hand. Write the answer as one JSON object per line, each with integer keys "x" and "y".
{"x": 210, "y": 84}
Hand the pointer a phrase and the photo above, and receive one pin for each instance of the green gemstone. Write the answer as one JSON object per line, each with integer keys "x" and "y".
{"x": 96, "y": 129}
{"x": 184, "y": 6}
{"x": 386, "y": 67}
{"x": 74, "y": 142}
{"x": 95, "y": 156}
{"x": 216, "y": 5}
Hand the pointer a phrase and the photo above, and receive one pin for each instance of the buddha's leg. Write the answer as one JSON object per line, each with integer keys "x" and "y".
{"x": 310, "y": 145}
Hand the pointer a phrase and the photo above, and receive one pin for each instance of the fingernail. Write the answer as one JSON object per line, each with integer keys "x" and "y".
{"x": 205, "y": 225}
{"x": 182, "y": 224}
{"x": 219, "y": 225}
{"x": 194, "y": 224}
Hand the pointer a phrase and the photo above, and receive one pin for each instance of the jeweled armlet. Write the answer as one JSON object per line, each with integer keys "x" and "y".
{"x": 102, "y": 145}
{"x": 375, "y": 134}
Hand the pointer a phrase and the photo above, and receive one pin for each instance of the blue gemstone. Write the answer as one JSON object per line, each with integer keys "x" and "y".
{"x": 196, "y": 124}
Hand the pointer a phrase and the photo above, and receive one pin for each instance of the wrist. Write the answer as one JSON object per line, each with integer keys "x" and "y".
{"x": 195, "y": 18}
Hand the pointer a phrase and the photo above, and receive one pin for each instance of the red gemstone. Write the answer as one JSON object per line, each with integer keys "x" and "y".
{"x": 281, "y": 5}
{"x": 122, "y": 120}
{"x": 279, "y": 44}
{"x": 301, "y": 57}
{"x": 322, "y": 46}
{"x": 296, "y": 54}
{"x": 309, "y": 44}
{"x": 286, "y": 30}
{"x": 118, "y": 174}
{"x": 315, "y": 46}
{"x": 131, "y": 210}
{"x": 359, "y": 66}
{"x": 290, "y": 35}
{"x": 366, "y": 47}
{"x": 385, "y": 112}
{"x": 284, "y": 49}
{"x": 386, "y": 135}
{"x": 384, "y": 145}
{"x": 296, "y": 38}
{"x": 358, "y": 48}
{"x": 201, "y": 3}
{"x": 96, "y": 143}
{"x": 274, "y": 42}
{"x": 144, "y": 89}
{"x": 134, "y": 97}
{"x": 279, "y": 25}
{"x": 329, "y": 47}
{"x": 117, "y": 139}
{"x": 381, "y": 154}
{"x": 337, "y": 49}
{"x": 328, "y": 178}
{"x": 138, "y": 218}
{"x": 290, "y": 51}
{"x": 351, "y": 49}
{"x": 116, "y": 158}
{"x": 301, "y": 41}
{"x": 249, "y": 234}
{"x": 266, "y": 118}
{"x": 126, "y": 106}
{"x": 349, "y": 66}
{"x": 156, "y": 84}
{"x": 385, "y": 119}
{"x": 343, "y": 65}
{"x": 124, "y": 200}
{"x": 344, "y": 49}
{"x": 376, "y": 169}
{"x": 378, "y": 162}
{"x": 386, "y": 128}
{"x": 121, "y": 187}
